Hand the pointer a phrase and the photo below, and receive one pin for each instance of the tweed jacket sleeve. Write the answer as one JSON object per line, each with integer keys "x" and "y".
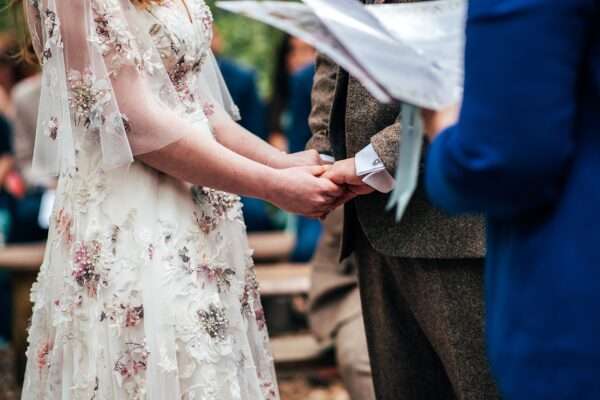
{"x": 322, "y": 95}
{"x": 386, "y": 143}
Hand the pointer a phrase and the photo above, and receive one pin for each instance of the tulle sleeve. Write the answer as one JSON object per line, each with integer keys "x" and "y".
{"x": 104, "y": 76}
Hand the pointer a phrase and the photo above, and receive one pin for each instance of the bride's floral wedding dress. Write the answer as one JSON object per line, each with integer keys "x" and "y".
{"x": 147, "y": 290}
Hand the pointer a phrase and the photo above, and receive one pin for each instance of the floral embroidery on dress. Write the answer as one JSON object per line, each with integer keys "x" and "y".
{"x": 42, "y": 356}
{"x": 206, "y": 19}
{"x": 250, "y": 300}
{"x": 123, "y": 315}
{"x": 53, "y": 37}
{"x": 269, "y": 390}
{"x": 52, "y": 128}
{"x": 113, "y": 36}
{"x": 64, "y": 224}
{"x": 206, "y": 222}
{"x": 214, "y": 322}
{"x": 130, "y": 369}
{"x": 213, "y": 207}
{"x": 151, "y": 251}
{"x": 86, "y": 262}
{"x": 179, "y": 74}
{"x": 88, "y": 97}
{"x": 178, "y": 48}
{"x": 220, "y": 202}
{"x": 218, "y": 274}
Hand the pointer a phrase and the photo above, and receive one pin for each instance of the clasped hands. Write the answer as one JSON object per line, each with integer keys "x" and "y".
{"x": 314, "y": 189}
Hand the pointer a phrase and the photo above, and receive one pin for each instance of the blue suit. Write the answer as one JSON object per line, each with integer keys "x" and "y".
{"x": 526, "y": 152}
{"x": 299, "y": 131}
{"x": 241, "y": 83}
{"x": 308, "y": 231}
{"x": 6, "y": 207}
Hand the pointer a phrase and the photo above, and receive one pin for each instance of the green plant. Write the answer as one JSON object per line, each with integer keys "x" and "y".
{"x": 249, "y": 42}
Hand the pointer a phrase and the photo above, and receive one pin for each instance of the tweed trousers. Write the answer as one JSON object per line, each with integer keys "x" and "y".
{"x": 424, "y": 326}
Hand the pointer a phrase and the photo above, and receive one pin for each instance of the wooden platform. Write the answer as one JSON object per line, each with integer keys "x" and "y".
{"x": 22, "y": 258}
{"x": 23, "y": 261}
{"x": 300, "y": 351}
{"x": 271, "y": 246}
{"x": 285, "y": 279}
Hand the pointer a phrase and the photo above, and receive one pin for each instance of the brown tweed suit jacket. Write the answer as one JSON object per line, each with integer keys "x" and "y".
{"x": 344, "y": 119}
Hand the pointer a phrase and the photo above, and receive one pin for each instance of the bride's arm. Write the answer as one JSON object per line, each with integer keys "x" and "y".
{"x": 235, "y": 137}
{"x": 198, "y": 159}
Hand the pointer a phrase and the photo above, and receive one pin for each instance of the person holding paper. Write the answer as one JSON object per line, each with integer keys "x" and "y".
{"x": 526, "y": 152}
{"x": 420, "y": 279}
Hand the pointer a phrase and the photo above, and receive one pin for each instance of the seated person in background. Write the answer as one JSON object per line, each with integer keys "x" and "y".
{"x": 335, "y": 312}
{"x": 12, "y": 70}
{"x": 292, "y": 56}
{"x": 26, "y": 95}
{"x": 6, "y": 205}
{"x": 298, "y": 133}
{"x": 241, "y": 82}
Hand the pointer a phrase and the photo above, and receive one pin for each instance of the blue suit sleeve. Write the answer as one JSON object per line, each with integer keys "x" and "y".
{"x": 253, "y": 105}
{"x": 514, "y": 141}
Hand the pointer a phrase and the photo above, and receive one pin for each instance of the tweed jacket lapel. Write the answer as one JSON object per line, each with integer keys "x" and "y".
{"x": 337, "y": 126}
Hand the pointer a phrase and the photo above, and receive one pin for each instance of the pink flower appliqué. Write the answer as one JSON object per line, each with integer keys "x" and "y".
{"x": 86, "y": 260}
{"x": 42, "y": 355}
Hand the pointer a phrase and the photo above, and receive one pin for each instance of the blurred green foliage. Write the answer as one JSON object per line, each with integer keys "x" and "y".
{"x": 251, "y": 43}
{"x": 5, "y": 16}
{"x": 246, "y": 41}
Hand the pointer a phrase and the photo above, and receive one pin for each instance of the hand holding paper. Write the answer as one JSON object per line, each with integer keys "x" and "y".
{"x": 434, "y": 122}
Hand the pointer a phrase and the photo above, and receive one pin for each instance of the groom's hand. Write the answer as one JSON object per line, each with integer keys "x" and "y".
{"x": 343, "y": 173}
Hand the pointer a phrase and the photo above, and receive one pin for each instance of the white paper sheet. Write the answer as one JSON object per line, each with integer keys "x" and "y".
{"x": 409, "y": 51}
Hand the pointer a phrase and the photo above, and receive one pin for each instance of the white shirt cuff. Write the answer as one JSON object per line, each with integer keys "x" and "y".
{"x": 371, "y": 168}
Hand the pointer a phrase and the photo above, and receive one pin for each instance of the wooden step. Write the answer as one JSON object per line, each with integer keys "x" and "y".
{"x": 284, "y": 279}
{"x": 300, "y": 350}
{"x": 271, "y": 246}
{"x": 23, "y": 261}
{"x": 22, "y": 257}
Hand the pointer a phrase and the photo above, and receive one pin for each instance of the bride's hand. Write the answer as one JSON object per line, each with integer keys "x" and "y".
{"x": 301, "y": 190}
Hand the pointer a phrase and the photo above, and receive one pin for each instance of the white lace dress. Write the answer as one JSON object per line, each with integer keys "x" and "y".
{"x": 147, "y": 290}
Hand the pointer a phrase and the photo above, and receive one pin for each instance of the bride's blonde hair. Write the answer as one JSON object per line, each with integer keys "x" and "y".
{"x": 146, "y": 3}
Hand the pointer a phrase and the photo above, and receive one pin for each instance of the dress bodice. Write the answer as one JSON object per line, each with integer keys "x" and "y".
{"x": 182, "y": 33}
